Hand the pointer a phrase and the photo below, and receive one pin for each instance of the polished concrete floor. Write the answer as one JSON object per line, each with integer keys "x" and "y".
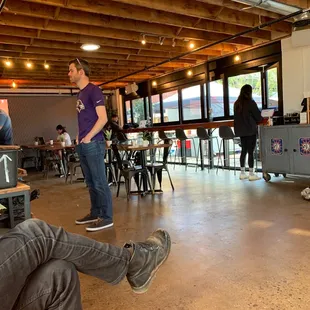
{"x": 236, "y": 244}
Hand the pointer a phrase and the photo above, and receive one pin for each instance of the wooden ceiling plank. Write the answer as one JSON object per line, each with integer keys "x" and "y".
{"x": 80, "y": 17}
{"x": 166, "y": 12}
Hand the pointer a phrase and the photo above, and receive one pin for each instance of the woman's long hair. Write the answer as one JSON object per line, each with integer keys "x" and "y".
{"x": 244, "y": 98}
{"x": 62, "y": 128}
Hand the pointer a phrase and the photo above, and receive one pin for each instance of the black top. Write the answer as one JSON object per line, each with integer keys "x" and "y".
{"x": 246, "y": 121}
{"x": 114, "y": 126}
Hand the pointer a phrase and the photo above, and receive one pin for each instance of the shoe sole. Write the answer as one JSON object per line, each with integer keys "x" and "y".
{"x": 85, "y": 222}
{"x": 99, "y": 228}
{"x": 254, "y": 179}
{"x": 143, "y": 289}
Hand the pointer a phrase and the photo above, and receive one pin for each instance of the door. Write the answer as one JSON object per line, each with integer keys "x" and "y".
{"x": 274, "y": 147}
{"x": 300, "y": 148}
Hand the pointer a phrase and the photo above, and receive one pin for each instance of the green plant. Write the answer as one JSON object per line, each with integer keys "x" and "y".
{"x": 147, "y": 136}
{"x": 108, "y": 134}
{"x": 61, "y": 138}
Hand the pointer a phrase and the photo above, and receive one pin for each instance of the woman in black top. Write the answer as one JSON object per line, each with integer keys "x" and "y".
{"x": 246, "y": 117}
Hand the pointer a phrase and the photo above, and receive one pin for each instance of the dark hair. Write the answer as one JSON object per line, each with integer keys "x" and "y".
{"x": 244, "y": 98}
{"x": 81, "y": 64}
{"x": 60, "y": 127}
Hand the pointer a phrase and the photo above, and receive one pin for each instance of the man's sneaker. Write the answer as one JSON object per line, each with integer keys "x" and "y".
{"x": 86, "y": 220}
{"x": 147, "y": 257}
{"x": 254, "y": 177}
{"x": 100, "y": 224}
{"x": 243, "y": 176}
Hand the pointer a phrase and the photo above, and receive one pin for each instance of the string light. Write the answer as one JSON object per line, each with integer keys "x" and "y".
{"x": 46, "y": 66}
{"x": 8, "y": 63}
{"x": 237, "y": 58}
{"x": 14, "y": 85}
{"x": 28, "y": 64}
{"x": 154, "y": 83}
{"x": 189, "y": 73}
{"x": 143, "y": 41}
{"x": 191, "y": 45}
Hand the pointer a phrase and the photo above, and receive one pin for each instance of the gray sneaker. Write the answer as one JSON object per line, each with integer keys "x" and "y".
{"x": 99, "y": 224}
{"x": 146, "y": 259}
{"x": 86, "y": 220}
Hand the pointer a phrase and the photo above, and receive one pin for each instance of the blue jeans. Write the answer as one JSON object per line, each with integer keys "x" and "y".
{"x": 39, "y": 264}
{"x": 92, "y": 162}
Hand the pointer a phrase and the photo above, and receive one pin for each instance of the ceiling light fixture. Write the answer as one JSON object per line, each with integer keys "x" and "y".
{"x": 154, "y": 83}
{"x": 191, "y": 45}
{"x": 143, "y": 41}
{"x": 237, "y": 58}
{"x": 189, "y": 73}
{"x": 161, "y": 40}
{"x": 46, "y": 65}
{"x": 90, "y": 47}
{"x": 14, "y": 85}
{"x": 173, "y": 42}
{"x": 28, "y": 64}
{"x": 8, "y": 63}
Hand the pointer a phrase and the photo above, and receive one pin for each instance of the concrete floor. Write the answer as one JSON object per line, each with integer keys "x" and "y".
{"x": 236, "y": 244}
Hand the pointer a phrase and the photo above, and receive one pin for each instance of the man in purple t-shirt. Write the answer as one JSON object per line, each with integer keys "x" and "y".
{"x": 92, "y": 117}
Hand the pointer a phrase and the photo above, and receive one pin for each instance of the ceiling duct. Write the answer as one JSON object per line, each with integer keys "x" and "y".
{"x": 271, "y": 5}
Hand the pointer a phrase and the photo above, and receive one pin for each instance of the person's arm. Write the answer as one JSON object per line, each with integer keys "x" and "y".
{"x": 256, "y": 113}
{"x": 98, "y": 101}
{"x": 2, "y": 120}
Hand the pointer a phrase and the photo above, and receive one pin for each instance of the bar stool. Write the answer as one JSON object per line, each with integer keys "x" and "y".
{"x": 181, "y": 136}
{"x": 203, "y": 135}
{"x": 226, "y": 134}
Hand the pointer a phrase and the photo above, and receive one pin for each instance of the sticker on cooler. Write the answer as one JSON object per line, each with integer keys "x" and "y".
{"x": 276, "y": 146}
{"x": 304, "y": 146}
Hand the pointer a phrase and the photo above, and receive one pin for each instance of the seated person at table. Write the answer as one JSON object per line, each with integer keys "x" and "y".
{"x": 6, "y": 134}
{"x": 114, "y": 126}
{"x": 63, "y": 136}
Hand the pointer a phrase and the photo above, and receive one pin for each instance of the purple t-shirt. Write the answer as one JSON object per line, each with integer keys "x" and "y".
{"x": 88, "y": 99}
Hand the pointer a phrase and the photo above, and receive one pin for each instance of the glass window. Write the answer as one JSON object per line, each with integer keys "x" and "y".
{"x": 236, "y": 82}
{"x": 138, "y": 110}
{"x": 156, "y": 109}
{"x": 128, "y": 111}
{"x": 216, "y": 99}
{"x": 272, "y": 88}
{"x": 171, "y": 106}
{"x": 191, "y": 103}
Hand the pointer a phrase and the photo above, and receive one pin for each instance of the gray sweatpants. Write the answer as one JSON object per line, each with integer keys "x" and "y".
{"x": 39, "y": 263}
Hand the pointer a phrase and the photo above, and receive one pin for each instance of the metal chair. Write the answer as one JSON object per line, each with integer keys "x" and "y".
{"x": 226, "y": 134}
{"x": 181, "y": 136}
{"x": 203, "y": 135}
{"x": 157, "y": 168}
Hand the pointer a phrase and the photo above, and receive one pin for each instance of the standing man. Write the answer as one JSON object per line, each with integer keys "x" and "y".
{"x": 6, "y": 134}
{"x": 92, "y": 117}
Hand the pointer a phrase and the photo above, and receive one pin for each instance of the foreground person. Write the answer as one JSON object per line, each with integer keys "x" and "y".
{"x": 39, "y": 264}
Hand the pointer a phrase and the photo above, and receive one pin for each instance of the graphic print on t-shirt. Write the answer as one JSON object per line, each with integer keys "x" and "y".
{"x": 80, "y": 105}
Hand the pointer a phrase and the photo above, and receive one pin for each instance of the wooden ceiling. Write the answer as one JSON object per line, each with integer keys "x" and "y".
{"x": 52, "y": 31}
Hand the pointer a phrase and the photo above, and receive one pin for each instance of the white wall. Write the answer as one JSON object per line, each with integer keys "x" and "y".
{"x": 295, "y": 74}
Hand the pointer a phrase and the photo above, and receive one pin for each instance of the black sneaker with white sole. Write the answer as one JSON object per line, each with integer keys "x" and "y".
{"x": 146, "y": 259}
{"x": 100, "y": 224}
{"x": 88, "y": 219}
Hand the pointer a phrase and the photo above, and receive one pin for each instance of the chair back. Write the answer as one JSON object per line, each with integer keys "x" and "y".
{"x": 117, "y": 156}
{"x": 226, "y": 133}
{"x": 180, "y": 134}
{"x": 162, "y": 135}
{"x": 167, "y": 150}
{"x": 202, "y": 134}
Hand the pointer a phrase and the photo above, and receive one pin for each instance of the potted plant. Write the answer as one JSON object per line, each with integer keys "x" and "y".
{"x": 108, "y": 136}
{"x": 36, "y": 140}
{"x": 146, "y": 137}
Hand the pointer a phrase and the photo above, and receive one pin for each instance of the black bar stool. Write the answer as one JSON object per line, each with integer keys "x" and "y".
{"x": 181, "y": 136}
{"x": 226, "y": 134}
{"x": 203, "y": 135}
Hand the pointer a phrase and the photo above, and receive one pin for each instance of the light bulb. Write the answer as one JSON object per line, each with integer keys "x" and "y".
{"x": 29, "y": 65}
{"x": 14, "y": 85}
{"x": 237, "y": 58}
{"x": 192, "y": 45}
{"x": 46, "y": 66}
{"x": 189, "y": 73}
{"x": 154, "y": 83}
{"x": 8, "y": 63}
